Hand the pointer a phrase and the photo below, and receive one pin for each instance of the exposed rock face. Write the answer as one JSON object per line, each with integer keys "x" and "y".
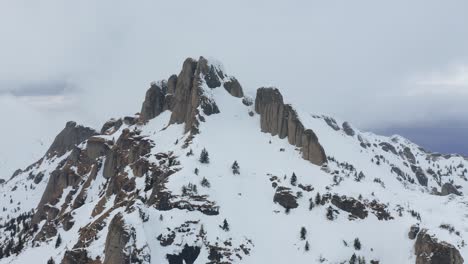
{"x": 182, "y": 94}
{"x": 155, "y": 101}
{"x": 96, "y": 147}
{"x": 281, "y": 119}
{"x": 116, "y": 241}
{"x": 420, "y": 175}
{"x": 285, "y": 198}
{"x": 187, "y": 256}
{"x": 387, "y": 147}
{"x": 429, "y": 251}
{"x": 69, "y": 137}
{"x": 76, "y": 256}
{"x": 234, "y": 87}
{"x": 413, "y": 232}
{"x": 409, "y": 155}
{"x": 448, "y": 188}
{"x": 350, "y": 205}
{"x": 128, "y": 149}
{"x": 111, "y": 126}
{"x": 348, "y": 129}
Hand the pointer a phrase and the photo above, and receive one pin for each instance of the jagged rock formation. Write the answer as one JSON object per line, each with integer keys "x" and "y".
{"x": 116, "y": 241}
{"x": 429, "y": 251}
{"x": 137, "y": 191}
{"x": 183, "y": 95}
{"x": 278, "y": 118}
{"x": 71, "y": 135}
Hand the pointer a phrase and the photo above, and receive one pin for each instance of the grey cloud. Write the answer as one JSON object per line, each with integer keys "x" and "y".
{"x": 354, "y": 59}
{"x": 37, "y": 88}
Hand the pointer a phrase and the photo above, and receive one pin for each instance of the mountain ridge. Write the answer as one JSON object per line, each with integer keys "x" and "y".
{"x": 135, "y": 192}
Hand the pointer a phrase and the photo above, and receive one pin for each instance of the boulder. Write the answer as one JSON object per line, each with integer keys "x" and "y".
{"x": 448, "y": 188}
{"x": 281, "y": 119}
{"x": 429, "y": 250}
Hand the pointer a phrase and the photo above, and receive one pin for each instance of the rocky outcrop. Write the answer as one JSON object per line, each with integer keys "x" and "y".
{"x": 429, "y": 251}
{"x": 448, "y": 188}
{"x": 69, "y": 137}
{"x": 348, "y": 129}
{"x": 96, "y": 147}
{"x": 420, "y": 175}
{"x": 387, "y": 147}
{"x": 233, "y": 87}
{"x": 413, "y": 232}
{"x": 129, "y": 148}
{"x": 116, "y": 242}
{"x": 285, "y": 198}
{"x": 409, "y": 155}
{"x": 155, "y": 101}
{"x": 188, "y": 94}
{"x": 281, "y": 119}
{"x": 188, "y": 255}
{"x": 350, "y": 205}
{"x": 77, "y": 256}
{"x": 183, "y": 95}
{"x": 111, "y": 126}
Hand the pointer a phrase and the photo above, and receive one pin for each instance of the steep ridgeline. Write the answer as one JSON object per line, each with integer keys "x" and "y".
{"x": 207, "y": 174}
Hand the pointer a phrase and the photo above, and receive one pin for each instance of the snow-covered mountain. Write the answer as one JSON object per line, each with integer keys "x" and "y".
{"x": 207, "y": 174}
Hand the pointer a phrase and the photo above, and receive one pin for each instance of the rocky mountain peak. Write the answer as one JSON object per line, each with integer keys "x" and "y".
{"x": 184, "y": 93}
{"x": 205, "y": 174}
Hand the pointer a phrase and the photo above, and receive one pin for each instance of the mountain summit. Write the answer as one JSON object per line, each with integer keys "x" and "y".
{"x": 207, "y": 174}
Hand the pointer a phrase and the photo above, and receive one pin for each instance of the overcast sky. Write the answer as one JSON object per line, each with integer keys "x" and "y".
{"x": 393, "y": 67}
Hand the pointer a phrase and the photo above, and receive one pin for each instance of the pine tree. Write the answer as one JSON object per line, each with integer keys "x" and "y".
{"x": 330, "y": 213}
{"x": 202, "y": 231}
{"x": 303, "y": 233}
{"x": 190, "y": 153}
{"x": 205, "y": 183}
{"x": 58, "y": 242}
{"x": 51, "y": 261}
{"x": 311, "y": 204}
{"x": 204, "y": 157}
{"x": 148, "y": 182}
{"x": 361, "y": 260}
{"x": 196, "y": 171}
{"x": 235, "y": 168}
{"x": 293, "y": 179}
{"x": 352, "y": 260}
{"x": 225, "y": 225}
{"x": 357, "y": 244}
{"x": 318, "y": 199}
{"x": 307, "y": 246}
